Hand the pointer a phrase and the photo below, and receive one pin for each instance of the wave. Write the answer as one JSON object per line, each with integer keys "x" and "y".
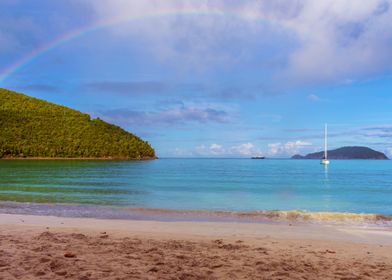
{"x": 274, "y": 215}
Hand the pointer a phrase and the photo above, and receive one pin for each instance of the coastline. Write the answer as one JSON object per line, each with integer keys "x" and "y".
{"x": 282, "y": 217}
{"x": 44, "y": 247}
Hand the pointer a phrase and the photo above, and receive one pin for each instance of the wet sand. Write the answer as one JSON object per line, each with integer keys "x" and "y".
{"x": 44, "y": 247}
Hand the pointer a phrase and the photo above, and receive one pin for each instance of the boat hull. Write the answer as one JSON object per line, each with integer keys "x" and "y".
{"x": 324, "y": 162}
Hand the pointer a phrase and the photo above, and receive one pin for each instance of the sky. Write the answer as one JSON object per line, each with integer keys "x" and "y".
{"x": 200, "y": 78}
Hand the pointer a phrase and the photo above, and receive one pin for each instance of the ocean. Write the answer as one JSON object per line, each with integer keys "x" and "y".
{"x": 104, "y": 188}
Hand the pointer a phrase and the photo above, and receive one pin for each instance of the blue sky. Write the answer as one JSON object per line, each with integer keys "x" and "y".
{"x": 211, "y": 78}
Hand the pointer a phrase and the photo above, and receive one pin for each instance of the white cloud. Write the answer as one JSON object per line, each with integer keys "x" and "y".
{"x": 216, "y": 149}
{"x": 340, "y": 40}
{"x": 193, "y": 32}
{"x": 287, "y": 149}
{"x": 249, "y": 149}
{"x": 333, "y": 40}
{"x": 245, "y": 149}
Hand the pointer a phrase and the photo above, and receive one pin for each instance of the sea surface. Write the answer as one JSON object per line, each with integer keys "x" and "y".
{"x": 80, "y": 188}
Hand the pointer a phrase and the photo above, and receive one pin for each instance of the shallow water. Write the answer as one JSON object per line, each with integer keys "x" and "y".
{"x": 203, "y": 184}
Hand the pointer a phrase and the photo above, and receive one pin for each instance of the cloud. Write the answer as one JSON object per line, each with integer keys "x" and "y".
{"x": 340, "y": 40}
{"x": 195, "y": 35}
{"x": 383, "y": 128}
{"x": 332, "y": 40}
{"x": 287, "y": 149}
{"x": 197, "y": 90}
{"x": 216, "y": 149}
{"x": 244, "y": 149}
{"x": 179, "y": 115}
{"x": 284, "y": 43}
{"x": 381, "y": 131}
{"x": 137, "y": 87}
{"x": 378, "y": 135}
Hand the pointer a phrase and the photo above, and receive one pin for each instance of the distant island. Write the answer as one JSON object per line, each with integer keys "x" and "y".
{"x": 34, "y": 128}
{"x": 346, "y": 153}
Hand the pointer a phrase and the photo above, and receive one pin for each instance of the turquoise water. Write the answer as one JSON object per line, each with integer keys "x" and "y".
{"x": 203, "y": 184}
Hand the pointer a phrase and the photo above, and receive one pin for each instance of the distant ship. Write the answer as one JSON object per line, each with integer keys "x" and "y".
{"x": 258, "y": 157}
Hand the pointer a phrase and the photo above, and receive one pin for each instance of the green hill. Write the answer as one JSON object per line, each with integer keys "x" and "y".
{"x": 34, "y": 128}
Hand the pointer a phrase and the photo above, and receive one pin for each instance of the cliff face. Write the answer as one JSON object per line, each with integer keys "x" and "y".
{"x": 34, "y": 128}
{"x": 346, "y": 153}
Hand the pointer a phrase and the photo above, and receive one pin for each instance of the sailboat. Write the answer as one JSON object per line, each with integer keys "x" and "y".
{"x": 325, "y": 160}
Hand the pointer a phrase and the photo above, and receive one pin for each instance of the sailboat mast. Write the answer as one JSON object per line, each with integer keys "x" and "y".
{"x": 325, "y": 141}
{"x": 325, "y": 160}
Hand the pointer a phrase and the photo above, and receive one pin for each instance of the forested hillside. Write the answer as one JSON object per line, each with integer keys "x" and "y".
{"x": 30, "y": 127}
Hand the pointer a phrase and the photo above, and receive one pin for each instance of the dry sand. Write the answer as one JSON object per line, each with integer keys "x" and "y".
{"x": 38, "y": 247}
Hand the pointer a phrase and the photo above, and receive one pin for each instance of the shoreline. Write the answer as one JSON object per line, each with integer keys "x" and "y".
{"x": 284, "y": 217}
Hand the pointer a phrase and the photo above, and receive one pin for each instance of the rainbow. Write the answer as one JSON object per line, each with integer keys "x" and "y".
{"x": 87, "y": 29}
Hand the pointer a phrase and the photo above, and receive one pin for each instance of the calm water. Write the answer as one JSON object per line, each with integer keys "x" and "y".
{"x": 208, "y": 184}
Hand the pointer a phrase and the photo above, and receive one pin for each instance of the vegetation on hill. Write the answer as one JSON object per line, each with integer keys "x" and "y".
{"x": 346, "y": 153}
{"x": 30, "y": 127}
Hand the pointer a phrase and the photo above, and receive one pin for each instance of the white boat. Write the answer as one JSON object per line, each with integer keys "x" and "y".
{"x": 325, "y": 160}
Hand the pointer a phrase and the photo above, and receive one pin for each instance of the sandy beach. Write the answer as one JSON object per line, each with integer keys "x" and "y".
{"x": 44, "y": 247}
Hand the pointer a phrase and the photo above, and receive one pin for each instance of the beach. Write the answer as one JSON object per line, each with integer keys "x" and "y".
{"x": 47, "y": 247}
